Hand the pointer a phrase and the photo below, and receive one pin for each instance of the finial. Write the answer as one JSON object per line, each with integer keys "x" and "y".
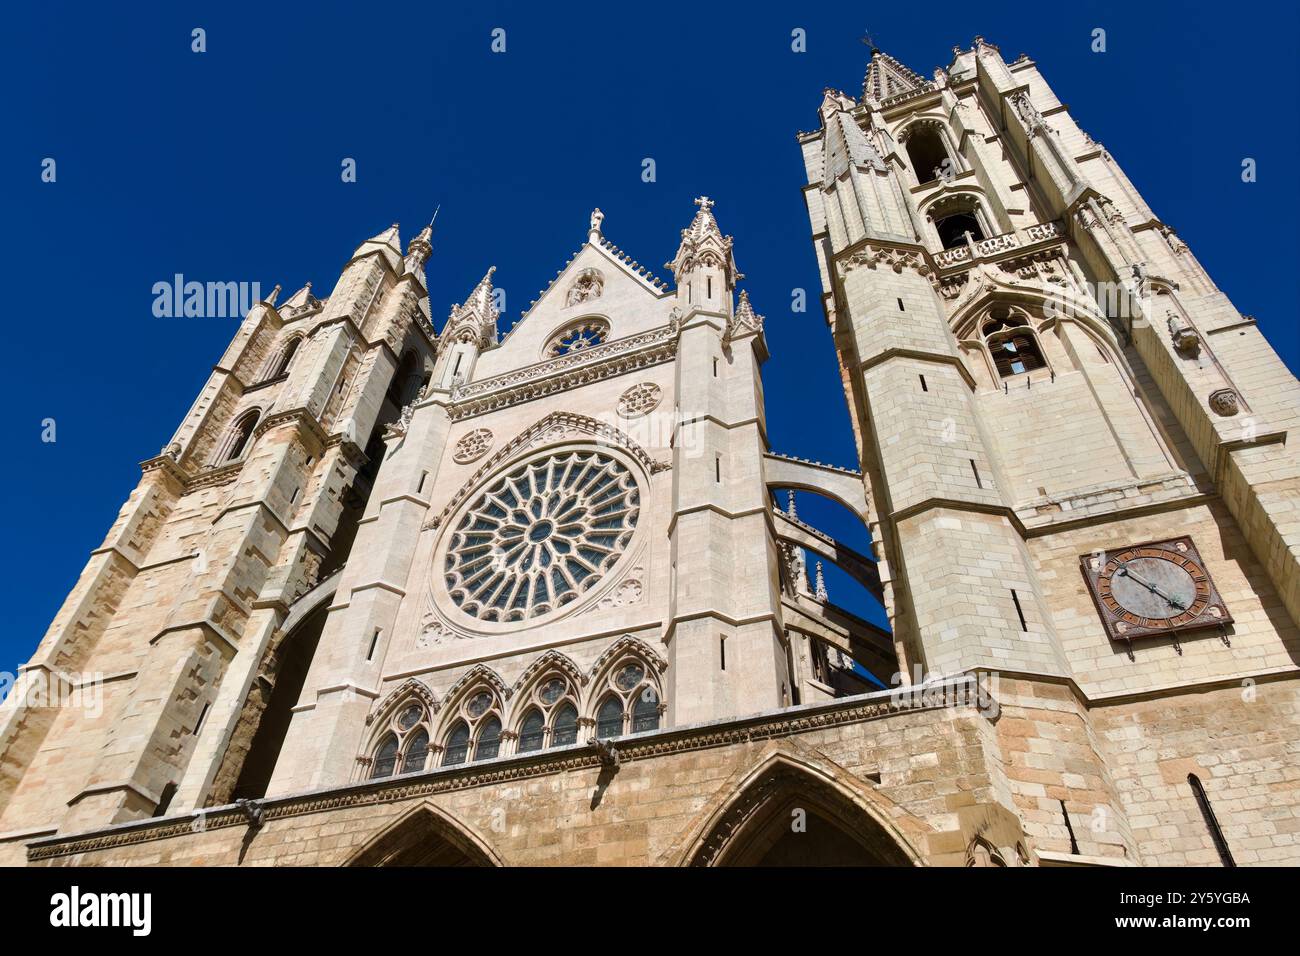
{"x": 819, "y": 585}
{"x": 704, "y": 202}
{"x": 792, "y": 511}
{"x": 275, "y": 293}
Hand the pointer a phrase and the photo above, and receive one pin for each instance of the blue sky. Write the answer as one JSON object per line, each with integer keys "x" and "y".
{"x": 224, "y": 166}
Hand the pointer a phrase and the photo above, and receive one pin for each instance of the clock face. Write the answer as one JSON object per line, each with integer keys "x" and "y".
{"x": 1152, "y": 589}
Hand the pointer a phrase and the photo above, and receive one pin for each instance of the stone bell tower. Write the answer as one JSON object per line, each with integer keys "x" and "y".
{"x": 255, "y": 498}
{"x": 1075, "y": 447}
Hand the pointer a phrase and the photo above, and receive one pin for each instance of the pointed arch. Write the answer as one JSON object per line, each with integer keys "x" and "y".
{"x": 551, "y": 660}
{"x": 426, "y": 835}
{"x": 748, "y": 817}
{"x": 281, "y": 359}
{"x": 479, "y": 674}
{"x": 627, "y": 644}
{"x": 626, "y": 692}
{"x": 239, "y": 437}
{"x": 410, "y": 689}
{"x": 546, "y": 704}
{"x": 473, "y": 717}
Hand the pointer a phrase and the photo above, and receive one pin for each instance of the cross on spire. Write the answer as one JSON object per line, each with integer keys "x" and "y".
{"x": 705, "y": 203}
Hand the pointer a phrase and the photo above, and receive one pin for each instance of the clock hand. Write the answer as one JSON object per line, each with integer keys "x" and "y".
{"x": 1171, "y": 601}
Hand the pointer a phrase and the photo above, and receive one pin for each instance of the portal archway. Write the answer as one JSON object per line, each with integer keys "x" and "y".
{"x": 427, "y": 836}
{"x": 790, "y": 812}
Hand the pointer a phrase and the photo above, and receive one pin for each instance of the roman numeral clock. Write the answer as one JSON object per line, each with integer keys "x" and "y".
{"x": 1155, "y": 589}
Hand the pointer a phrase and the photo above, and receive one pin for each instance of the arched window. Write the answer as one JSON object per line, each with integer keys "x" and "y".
{"x": 550, "y": 713}
{"x": 630, "y": 700}
{"x": 927, "y": 153}
{"x": 404, "y": 746}
{"x": 953, "y": 229}
{"x": 1011, "y": 342}
{"x": 489, "y": 740}
{"x": 402, "y": 388}
{"x": 645, "y": 710}
{"x": 240, "y": 435}
{"x": 476, "y": 731}
{"x": 609, "y": 719}
{"x": 385, "y": 758}
{"x": 417, "y": 751}
{"x": 532, "y": 732}
{"x": 457, "y": 745}
{"x": 281, "y": 364}
{"x": 564, "y": 728}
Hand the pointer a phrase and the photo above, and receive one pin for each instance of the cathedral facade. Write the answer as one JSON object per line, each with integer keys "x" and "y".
{"x": 394, "y": 595}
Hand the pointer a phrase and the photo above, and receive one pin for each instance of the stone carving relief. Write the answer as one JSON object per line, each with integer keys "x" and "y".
{"x": 629, "y": 592}
{"x": 1184, "y": 337}
{"x": 434, "y": 632}
{"x": 640, "y": 400}
{"x": 896, "y": 259}
{"x": 472, "y": 446}
{"x": 1225, "y": 402}
{"x": 588, "y": 285}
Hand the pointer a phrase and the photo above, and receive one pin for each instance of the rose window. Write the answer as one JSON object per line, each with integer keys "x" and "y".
{"x": 541, "y": 536}
{"x": 577, "y": 337}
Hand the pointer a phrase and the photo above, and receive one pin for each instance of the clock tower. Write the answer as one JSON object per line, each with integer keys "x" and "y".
{"x": 1080, "y": 457}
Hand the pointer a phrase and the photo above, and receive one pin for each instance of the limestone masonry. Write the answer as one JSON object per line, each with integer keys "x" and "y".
{"x": 393, "y": 595}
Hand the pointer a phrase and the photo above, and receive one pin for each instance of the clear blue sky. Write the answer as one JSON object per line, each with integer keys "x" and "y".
{"x": 225, "y": 166}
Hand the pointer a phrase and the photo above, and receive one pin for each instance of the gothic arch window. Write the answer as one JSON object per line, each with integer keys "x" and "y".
{"x": 457, "y": 748}
{"x": 1011, "y": 342}
{"x": 281, "y": 359}
{"x": 405, "y": 384}
{"x": 629, "y": 700}
{"x": 404, "y": 741}
{"x": 239, "y": 437}
{"x": 577, "y": 336}
{"x": 550, "y": 714}
{"x": 927, "y": 151}
{"x": 541, "y": 536}
{"x": 953, "y": 229}
{"x": 385, "y": 758}
{"x": 475, "y": 732}
{"x": 955, "y": 216}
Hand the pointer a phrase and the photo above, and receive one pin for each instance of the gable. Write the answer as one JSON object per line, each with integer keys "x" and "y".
{"x": 597, "y": 284}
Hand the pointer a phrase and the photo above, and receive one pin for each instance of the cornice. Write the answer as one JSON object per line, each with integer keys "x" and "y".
{"x": 563, "y": 373}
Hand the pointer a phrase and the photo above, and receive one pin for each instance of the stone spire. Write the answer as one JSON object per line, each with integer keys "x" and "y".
{"x": 699, "y": 239}
{"x": 887, "y": 77}
{"x": 704, "y": 266}
{"x": 792, "y": 510}
{"x": 846, "y": 146}
{"x": 421, "y": 247}
{"x": 477, "y": 317}
{"x": 418, "y": 251}
{"x": 747, "y": 320}
{"x": 819, "y": 587}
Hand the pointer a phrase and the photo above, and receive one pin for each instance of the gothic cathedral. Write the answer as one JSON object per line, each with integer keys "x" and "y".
{"x": 398, "y": 595}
